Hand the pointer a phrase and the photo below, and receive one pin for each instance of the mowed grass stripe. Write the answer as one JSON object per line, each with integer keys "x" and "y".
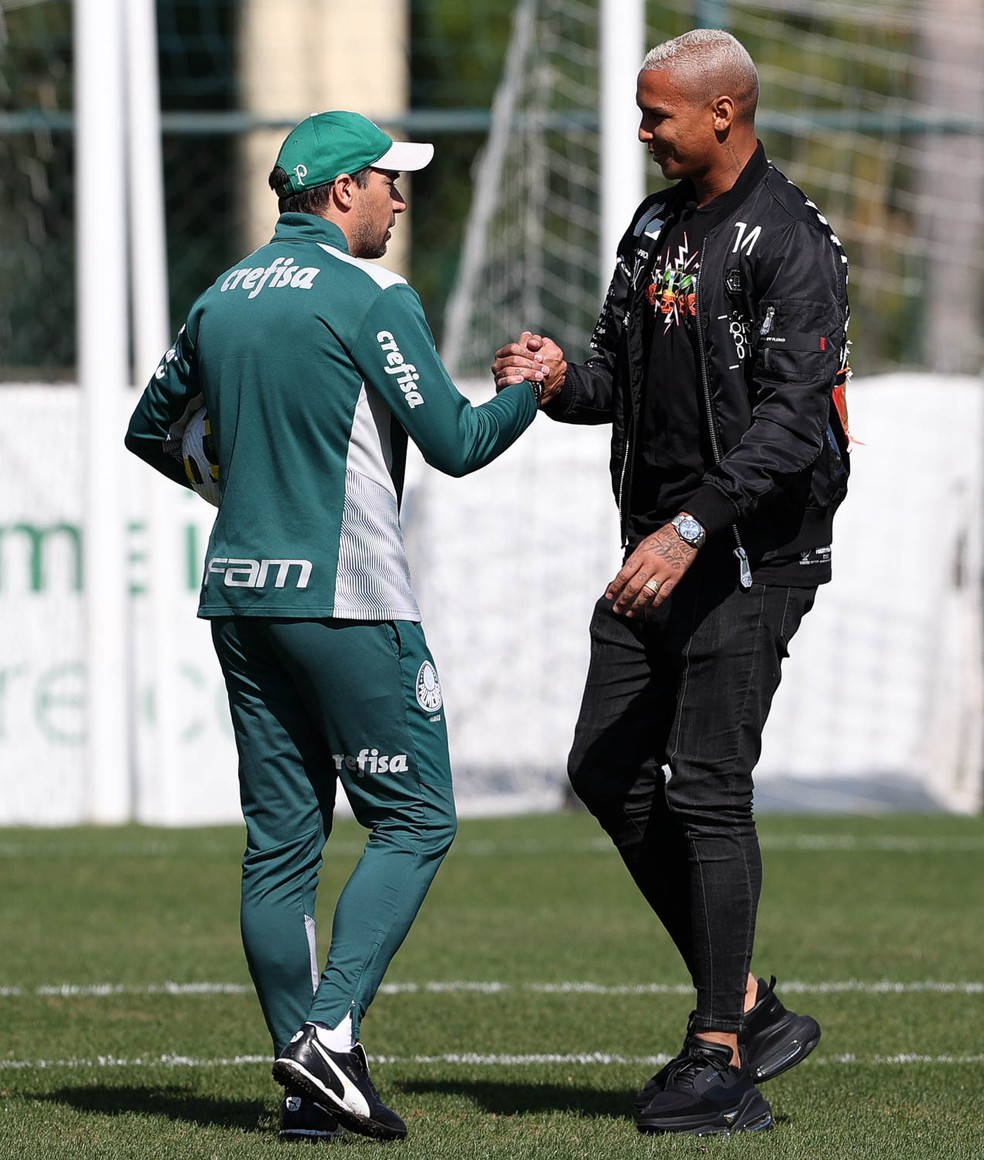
{"x": 805, "y": 843}
{"x": 801, "y": 843}
{"x": 478, "y": 1059}
{"x": 789, "y": 986}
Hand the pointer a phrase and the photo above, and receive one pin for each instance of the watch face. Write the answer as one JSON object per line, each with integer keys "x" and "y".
{"x": 689, "y": 530}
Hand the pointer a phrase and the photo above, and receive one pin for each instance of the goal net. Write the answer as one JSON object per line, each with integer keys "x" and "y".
{"x": 873, "y": 107}
{"x": 529, "y": 258}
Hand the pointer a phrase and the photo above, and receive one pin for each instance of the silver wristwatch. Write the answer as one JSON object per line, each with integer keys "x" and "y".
{"x": 689, "y": 530}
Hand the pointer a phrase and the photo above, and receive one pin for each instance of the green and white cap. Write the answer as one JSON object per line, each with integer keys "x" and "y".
{"x": 325, "y": 145}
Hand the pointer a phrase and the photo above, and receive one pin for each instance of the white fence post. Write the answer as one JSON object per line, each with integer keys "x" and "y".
{"x": 103, "y": 341}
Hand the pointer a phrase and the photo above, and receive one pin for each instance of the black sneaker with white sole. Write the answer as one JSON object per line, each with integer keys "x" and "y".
{"x": 339, "y": 1080}
{"x": 304, "y": 1120}
{"x": 703, "y": 1095}
{"x": 772, "y": 1039}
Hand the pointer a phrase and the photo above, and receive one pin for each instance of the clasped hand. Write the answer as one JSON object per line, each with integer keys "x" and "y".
{"x": 534, "y": 358}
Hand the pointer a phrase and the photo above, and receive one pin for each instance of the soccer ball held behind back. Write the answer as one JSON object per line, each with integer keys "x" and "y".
{"x": 198, "y": 453}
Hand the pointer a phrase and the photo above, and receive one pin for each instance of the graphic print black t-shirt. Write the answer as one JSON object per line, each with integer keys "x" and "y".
{"x": 673, "y": 450}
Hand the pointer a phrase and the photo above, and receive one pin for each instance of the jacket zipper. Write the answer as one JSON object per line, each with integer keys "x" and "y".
{"x": 622, "y": 521}
{"x": 744, "y": 571}
{"x": 621, "y": 496}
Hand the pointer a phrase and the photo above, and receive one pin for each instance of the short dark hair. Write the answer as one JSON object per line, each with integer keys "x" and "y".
{"x": 311, "y": 200}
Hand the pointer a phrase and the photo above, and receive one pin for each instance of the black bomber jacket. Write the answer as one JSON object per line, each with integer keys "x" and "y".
{"x": 772, "y": 316}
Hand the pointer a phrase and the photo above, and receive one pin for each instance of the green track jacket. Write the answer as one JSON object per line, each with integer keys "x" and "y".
{"x": 315, "y": 367}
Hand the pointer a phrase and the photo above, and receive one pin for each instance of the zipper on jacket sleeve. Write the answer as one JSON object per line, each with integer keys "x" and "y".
{"x": 744, "y": 571}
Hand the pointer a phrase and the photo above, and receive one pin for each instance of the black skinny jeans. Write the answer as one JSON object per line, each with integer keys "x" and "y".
{"x": 689, "y": 687}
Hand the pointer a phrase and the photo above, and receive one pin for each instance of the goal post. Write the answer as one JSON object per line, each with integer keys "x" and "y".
{"x": 622, "y": 40}
{"x": 103, "y": 370}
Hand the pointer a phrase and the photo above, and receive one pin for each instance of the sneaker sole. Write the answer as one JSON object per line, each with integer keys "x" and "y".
{"x": 309, "y": 1135}
{"x": 289, "y": 1073}
{"x": 791, "y": 1047}
{"x": 754, "y": 1116}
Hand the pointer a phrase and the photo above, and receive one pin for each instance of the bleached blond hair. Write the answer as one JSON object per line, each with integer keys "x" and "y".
{"x": 709, "y": 58}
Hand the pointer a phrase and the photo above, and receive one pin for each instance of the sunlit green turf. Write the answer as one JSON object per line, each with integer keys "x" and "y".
{"x": 99, "y": 1057}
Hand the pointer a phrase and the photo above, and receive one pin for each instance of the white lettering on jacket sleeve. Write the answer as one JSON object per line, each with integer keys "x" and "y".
{"x": 396, "y": 365}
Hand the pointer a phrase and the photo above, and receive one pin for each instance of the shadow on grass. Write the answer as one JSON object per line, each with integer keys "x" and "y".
{"x": 171, "y": 1102}
{"x": 498, "y": 1099}
{"x": 523, "y": 1099}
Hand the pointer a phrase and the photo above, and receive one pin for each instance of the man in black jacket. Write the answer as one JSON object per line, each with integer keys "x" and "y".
{"x": 720, "y": 360}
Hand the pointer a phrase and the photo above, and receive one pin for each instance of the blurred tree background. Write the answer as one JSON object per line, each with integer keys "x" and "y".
{"x": 456, "y": 55}
{"x": 37, "y": 268}
{"x": 844, "y": 84}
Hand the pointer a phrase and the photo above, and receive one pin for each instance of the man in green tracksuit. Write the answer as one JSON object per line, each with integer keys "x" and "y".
{"x": 315, "y": 366}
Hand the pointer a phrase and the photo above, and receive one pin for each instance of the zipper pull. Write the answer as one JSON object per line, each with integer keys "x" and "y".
{"x": 745, "y": 573}
{"x": 767, "y": 321}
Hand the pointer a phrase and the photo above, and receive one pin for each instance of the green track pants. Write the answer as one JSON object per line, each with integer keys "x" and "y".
{"x": 315, "y": 702}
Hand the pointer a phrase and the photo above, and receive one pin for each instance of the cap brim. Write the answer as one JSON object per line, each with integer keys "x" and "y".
{"x": 405, "y": 157}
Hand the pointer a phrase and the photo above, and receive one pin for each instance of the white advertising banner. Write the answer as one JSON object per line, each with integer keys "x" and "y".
{"x": 43, "y": 669}
{"x": 881, "y": 698}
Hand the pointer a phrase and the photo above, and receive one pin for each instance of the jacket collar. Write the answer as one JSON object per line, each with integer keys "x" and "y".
{"x": 308, "y": 227}
{"x": 755, "y": 170}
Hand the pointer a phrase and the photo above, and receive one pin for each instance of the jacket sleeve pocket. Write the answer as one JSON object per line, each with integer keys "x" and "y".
{"x": 796, "y": 340}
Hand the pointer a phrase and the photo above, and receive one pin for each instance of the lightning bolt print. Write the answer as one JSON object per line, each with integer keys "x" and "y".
{"x": 672, "y": 291}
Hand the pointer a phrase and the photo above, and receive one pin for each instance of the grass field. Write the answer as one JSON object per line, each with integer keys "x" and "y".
{"x": 534, "y": 995}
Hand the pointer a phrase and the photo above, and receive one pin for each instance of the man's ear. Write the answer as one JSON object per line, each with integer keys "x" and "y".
{"x": 342, "y": 191}
{"x": 723, "y": 111}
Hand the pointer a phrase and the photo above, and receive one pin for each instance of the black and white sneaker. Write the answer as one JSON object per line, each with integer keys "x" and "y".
{"x": 304, "y": 1120}
{"x": 703, "y": 1095}
{"x": 772, "y": 1039}
{"x": 339, "y": 1080}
